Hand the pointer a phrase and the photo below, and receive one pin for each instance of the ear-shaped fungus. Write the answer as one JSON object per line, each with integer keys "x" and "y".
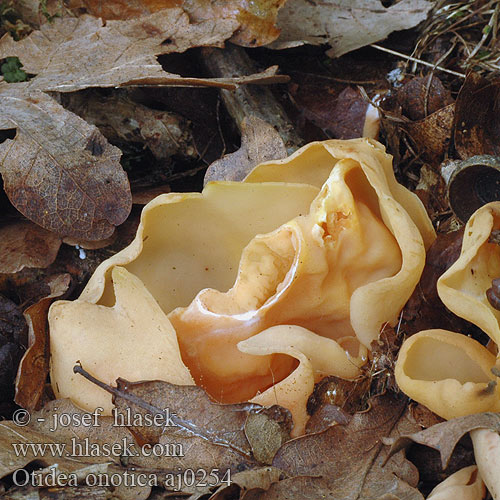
{"x": 465, "y": 484}
{"x": 447, "y": 371}
{"x": 324, "y": 241}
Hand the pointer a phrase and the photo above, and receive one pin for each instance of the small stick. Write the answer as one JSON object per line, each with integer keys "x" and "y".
{"x": 187, "y": 426}
{"x": 419, "y": 61}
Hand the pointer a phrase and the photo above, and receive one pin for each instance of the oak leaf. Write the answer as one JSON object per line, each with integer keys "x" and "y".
{"x": 347, "y": 461}
{"x": 344, "y": 24}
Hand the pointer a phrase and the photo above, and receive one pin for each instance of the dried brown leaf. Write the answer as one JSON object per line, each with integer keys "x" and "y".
{"x": 445, "y": 436}
{"x": 420, "y": 97}
{"x": 58, "y": 170}
{"x": 432, "y": 134}
{"x": 259, "y": 142}
{"x": 341, "y": 115}
{"x": 248, "y": 483}
{"x": 256, "y": 19}
{"x": 34, "y": 366}
{"x": 346, "y": 461}
{"x": 344, "y": 24}
{"x": 211, "y": 435}
{"x": 76, "y": 53}
{"x": 24, "y": 244}
{"x": 477, "y": 122}
{"x": 425, "y": 309}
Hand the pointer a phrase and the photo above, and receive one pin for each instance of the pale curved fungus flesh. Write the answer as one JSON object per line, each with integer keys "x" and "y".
{"x": 322, "y": 245}
{"x": 448, "y": 372}
{"x": 463, "y": 287}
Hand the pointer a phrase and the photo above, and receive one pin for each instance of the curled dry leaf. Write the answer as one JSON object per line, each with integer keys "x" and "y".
{"x": 34, "y": 366}
{"x": 345, "y": 25}
{"x": 477, "y": 121}
{"x": 347, "y": 461}
{"x": 259, "y": 142}
{"x": 256, "y": 20}
{"x": 421, "y": 97}
{"x": 445, "y": 436}
{"x": 24, "y": 244}
{"x": 432, "y": 134}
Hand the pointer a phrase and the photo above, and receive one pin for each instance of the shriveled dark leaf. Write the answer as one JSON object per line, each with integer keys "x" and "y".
{"x": 445, "y": 436}
{"x": 121, "y": 119}
{"x": 424, "y": 309}
{"x": 24, "y": 244}
{"x": 59, "y": 171}
{"x": 349, "y": 395}
{"x": 259, "y": 142}
{"x": 346, "y": 461}
{"x": 13, "y": 335}
{"x": 477, "y": 117}
{"x": 422, "y": 96}
{"x": 432, "y": 134}
{"x": 34, "y": 366}
{"x": 340, "y": 114}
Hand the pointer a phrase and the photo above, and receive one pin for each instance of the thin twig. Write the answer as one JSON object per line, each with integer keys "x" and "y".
{"x": 419, "y": 61}
{"x": 185, "y": 425}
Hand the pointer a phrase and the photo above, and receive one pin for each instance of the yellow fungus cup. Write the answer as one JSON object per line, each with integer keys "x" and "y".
{"x": 253, "y": 290}
{"x": 447, "y": 371}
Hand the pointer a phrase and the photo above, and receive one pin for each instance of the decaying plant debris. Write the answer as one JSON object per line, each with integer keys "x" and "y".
{"x": 98, "y": 114}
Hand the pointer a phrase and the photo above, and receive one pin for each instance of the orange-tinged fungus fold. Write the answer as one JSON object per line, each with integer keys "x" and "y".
{"x": 263, "y": 286}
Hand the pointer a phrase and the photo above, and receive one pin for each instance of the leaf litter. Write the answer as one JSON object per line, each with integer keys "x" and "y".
{"x": 313, "y": 467}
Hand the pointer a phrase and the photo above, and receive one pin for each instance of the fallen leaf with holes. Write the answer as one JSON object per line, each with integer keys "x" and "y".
{"x": 344, "y": 24}
{"x": 24, "y": 244}
{"x": 445, "y": 435}
{"x": 260, "y": 142}
{"x": 256, "y": 20}
{"x": 477, "y": 122}
{"x": 347, "y": 461}
{"x": 34, "y": 366}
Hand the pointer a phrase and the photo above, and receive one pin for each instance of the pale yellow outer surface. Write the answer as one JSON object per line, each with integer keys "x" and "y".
{"x": 447, "y": 372}
{"x": 324, "y": 242}
{"x": 105, "y": 341}
{"x": 462, "y": 288}
{"x": 465, "y": 484}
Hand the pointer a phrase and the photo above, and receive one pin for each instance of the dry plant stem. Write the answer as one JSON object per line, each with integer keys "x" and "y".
{"x": 185, "y": 425}
{"x": 249, "y": 100}
{"x": 414, "y": 59}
